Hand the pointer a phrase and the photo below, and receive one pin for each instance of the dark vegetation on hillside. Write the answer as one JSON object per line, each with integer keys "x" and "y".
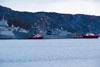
{"x": 73, "y": 23}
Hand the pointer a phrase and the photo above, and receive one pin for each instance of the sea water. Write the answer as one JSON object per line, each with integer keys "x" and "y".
{"x": 50, "y": 53}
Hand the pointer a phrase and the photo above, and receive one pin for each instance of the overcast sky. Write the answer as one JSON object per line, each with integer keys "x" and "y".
{"x": 61, "y": 6}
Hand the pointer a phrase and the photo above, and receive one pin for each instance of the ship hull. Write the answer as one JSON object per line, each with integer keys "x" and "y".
{"x": 35, "y": 37}
{"x": 54, "y": 36}
{"x": 95, "y": 36}
{"x": 7, "y": 35}
{"x": 22, "y": 35}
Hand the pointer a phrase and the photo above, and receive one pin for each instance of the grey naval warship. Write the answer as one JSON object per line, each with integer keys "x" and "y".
{"x": 5, "y": 30}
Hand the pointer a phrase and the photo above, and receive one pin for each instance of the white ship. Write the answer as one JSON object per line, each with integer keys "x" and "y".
{"x": 5, "y": 31}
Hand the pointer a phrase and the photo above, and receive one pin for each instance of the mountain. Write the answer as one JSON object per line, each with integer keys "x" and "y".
{"x": 73, "y": 23}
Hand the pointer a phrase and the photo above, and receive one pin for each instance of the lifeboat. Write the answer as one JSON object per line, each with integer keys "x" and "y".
{"x": 88, "y": 35}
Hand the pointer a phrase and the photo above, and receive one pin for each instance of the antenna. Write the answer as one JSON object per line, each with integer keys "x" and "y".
{"x": 89, "y": 28}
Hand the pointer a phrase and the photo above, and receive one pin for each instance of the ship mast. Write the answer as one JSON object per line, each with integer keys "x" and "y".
{"x": 89, "y": 28}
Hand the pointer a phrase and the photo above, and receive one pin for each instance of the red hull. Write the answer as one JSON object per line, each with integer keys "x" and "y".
{"x": 36, "y": 37}
{"x": 95, "y": 36}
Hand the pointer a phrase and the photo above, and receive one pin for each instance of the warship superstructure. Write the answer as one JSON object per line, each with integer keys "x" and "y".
{"x": 5, "y": 30}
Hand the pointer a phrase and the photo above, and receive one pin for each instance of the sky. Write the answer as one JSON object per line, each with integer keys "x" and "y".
{"x": 90, "y": 7}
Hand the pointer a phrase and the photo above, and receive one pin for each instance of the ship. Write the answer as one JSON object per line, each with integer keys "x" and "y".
{"x": 21, "y": 33}
{"x": 54, "y": 34}
{"x": 46, "y": 33}
{"x": 5, "y": 30}
{"x": 37, "y": 36}
{"x": 88, "y": 35}
{"x": 43, "y": 34}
